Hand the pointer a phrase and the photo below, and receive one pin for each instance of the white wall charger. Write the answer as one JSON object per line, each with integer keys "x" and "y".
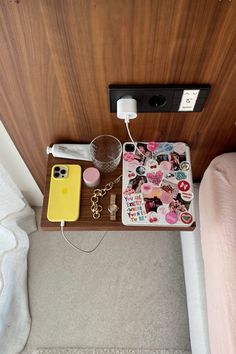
{"x": 127, "y": 108}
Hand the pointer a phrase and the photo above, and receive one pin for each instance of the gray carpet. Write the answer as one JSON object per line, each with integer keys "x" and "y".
{"x": 130, "y": 293}
{"x": 107, "y": 351}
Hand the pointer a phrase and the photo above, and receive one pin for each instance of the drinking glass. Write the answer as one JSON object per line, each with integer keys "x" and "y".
{"x": 105, "y": 151}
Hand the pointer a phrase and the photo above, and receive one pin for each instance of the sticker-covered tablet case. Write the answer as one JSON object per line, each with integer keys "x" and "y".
{"x": 157, "y": 187}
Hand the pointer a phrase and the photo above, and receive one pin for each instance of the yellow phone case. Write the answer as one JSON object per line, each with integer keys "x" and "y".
{"x": 64, "y": 193}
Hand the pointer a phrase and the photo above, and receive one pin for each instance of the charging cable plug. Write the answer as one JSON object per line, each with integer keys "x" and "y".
{"x": 127, "y": 118}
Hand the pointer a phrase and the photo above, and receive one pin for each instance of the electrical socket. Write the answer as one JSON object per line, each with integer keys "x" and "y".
{"x": 159, "y": 98}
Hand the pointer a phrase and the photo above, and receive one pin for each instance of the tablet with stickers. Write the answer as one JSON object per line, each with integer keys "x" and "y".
{"x": 157, "y": 187}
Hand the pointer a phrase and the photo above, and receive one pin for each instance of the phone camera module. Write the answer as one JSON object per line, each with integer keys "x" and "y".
{"x": 129, "y": 147}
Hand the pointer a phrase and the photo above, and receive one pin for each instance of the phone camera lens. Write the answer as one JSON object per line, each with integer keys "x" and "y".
{"x": 56, "y": 174}
{"x": 57, "y": 168}
{"x": 129, "y": 148}
{"x": 63, "y": 172}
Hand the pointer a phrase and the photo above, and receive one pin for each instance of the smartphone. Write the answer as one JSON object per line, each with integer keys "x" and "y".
{"x": 64, "y": 193}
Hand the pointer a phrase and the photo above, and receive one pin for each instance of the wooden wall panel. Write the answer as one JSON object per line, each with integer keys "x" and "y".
{"x": 59, "y": 56}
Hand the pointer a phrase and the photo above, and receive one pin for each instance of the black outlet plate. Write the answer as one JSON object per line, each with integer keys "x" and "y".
{"x": 144, "y": 94}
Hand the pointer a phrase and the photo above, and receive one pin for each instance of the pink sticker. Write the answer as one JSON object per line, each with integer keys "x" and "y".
{"x": 183, "y": 186}
{"x": 152, "y": 146}
{"x": 129, "y": 191}
{"x": 171, "y": 217}
{"x": 155, "y": 177}
{"x": 146, "y": 188}
{"x": 152, "y": 217}
{"x": 166, "y": 197}
{"x": 131, "y": 174}
{"x": 165, "y": 165}
{"x": 128, "y": 156}
{"x": 179, "y": 148}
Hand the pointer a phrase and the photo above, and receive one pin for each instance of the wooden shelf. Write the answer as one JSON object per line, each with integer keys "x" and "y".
{"x": 86, "y": 221}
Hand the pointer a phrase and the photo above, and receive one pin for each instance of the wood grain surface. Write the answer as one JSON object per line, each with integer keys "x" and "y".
{"x": 59, "y": 56}
{"x": 86, "y": 221}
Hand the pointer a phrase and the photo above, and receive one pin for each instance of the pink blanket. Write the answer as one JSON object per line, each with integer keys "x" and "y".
{"x": 218, "y": 237}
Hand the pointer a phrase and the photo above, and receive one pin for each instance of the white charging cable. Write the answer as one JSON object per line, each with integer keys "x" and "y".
{"x": 77, "y": 247}
{"x": 126, "y": 110}
{"x": 130, "y": 136}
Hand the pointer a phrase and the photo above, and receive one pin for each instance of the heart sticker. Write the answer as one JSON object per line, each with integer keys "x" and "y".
{"x": 155, "y": 177}
{"x": 186, "y": 217}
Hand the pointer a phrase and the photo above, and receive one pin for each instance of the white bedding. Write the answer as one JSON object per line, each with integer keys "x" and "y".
{"x": 218, "y": 236}
{"x": 16, "y": 220}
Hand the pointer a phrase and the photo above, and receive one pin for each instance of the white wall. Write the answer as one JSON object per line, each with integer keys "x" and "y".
{"x": 17, "y": 169}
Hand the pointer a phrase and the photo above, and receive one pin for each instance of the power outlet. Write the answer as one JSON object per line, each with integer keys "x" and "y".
{"x": 161, "y": 98}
